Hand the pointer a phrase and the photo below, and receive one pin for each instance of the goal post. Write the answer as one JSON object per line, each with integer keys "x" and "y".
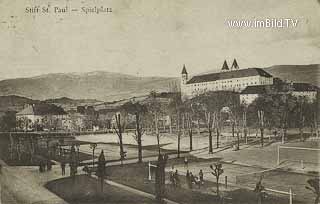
{"x": 302, "y": 155}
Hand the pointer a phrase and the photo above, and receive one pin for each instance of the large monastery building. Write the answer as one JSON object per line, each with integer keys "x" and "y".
{"x": 228, "y": 79}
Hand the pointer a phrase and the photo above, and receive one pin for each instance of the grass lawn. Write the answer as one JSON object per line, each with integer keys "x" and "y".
{"x": 135, "y": 175}
{"x": 85, "y": 189}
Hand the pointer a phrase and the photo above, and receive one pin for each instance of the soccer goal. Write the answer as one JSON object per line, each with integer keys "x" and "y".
{"x": 301, "y": 155}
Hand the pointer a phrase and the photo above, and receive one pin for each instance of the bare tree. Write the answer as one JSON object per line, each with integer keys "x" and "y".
{"x": 261, "y": 124}
{"x": 119, "y": 129}
{"x": 217, "y": 171}
{"x": 139, "y": 112}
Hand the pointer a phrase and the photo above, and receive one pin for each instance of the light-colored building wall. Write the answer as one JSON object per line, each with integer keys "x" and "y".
{"x": 310, "y": 95}
{"x": 233, "y": 84}
{"x": 248, "y": 98}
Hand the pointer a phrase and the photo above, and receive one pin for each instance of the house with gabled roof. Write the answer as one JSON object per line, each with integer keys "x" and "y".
{"x": 41, "y": 114}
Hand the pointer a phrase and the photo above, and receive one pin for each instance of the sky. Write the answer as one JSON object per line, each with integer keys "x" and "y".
{"x": 153, "y": 37}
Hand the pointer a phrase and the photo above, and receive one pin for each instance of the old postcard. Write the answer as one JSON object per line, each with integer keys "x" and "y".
{"x": 159, "y": 101}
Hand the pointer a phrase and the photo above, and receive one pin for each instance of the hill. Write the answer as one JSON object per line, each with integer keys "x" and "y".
{"x": 105, "y": 86}
{"x": 297, "y": 73}
{"x": 68, "y": 103}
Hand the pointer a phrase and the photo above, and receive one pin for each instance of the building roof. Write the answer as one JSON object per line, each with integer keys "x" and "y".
{"x": 184, "y": 70}
{"x": 235, "y": 64}
{"x": 258, "y": 89}
{"x": 229, "y": 75}
{"x": 42, "y": 109}
{"x": 284, "y": 88}
{"x": 304, "y": 87}
{"x": 225, "y": 66}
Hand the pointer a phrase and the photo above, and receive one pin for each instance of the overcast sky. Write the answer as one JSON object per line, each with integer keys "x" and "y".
{"x": 154, "y": 37}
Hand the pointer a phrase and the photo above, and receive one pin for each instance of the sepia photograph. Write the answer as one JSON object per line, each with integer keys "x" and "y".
{"x": 159, "y": 102}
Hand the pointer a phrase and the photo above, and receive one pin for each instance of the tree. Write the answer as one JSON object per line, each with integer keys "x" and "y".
{"x": 101, "y": 168}
{"x": 259, "y": 189}
{"x": 176, "y": 108}
{"x": 211, "y": 104}
{"x": 276, "y": 110}
{"x": 261, "y": 124}
{"x": 155, "y": 109}
{"x": 8, "y": 121}
{"x": 313, "y": 185}
{"x": 139, "y": 111}
{"x": 217, "y": 171}
{"x": 119, "y": 129}
{"x": 189, "y": 123}
{"x": 73, "y": 162}
{"x": 93, "y": 146}
{"x": 160, "y": 177}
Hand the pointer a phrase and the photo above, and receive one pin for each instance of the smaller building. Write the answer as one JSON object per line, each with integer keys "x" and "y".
{"x": 250, "y": 93}
{"x": 40, "y": 116}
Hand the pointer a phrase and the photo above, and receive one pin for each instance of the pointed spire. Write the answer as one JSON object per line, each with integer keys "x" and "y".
{"x": 184, "y": 70}
{"x": 225, "y": 65}
{"x": 235, "y": 64}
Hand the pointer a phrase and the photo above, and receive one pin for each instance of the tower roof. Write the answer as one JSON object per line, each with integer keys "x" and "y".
{"x": 225, "y": 65}
{"x": 235, "y": 64}
{"x": 184, "y": 70}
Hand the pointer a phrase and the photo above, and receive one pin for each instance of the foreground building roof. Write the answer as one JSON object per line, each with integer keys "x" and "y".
{"x": 42, "y": 109}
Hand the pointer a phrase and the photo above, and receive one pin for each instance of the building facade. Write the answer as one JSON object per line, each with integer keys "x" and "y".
{"x": 40, "y": 116}
{"x": 228, "y": 79}
{"x": 308, "y": 91}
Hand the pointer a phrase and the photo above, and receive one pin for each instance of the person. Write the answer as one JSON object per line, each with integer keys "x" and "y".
{"x": 176, "y": 178}
{"x": 49, "y": 165}
{"x": 185, "y": 162}
{"x": 171, "y": 176}
{"x": 40, "y": 167}
{"x": 191, "y": 179}
{"x": 194, "y": 180}
{"x": 63, "y": 168}
{"x": 188, "y": 180}
{"x": 201, "y": 177}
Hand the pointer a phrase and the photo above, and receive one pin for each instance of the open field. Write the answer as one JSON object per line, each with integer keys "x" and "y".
{"x": 136, "y": 175}
{"x": 87, "y": 190}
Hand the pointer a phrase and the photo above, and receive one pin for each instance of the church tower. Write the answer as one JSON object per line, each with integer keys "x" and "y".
{"x": 184, "y": 75}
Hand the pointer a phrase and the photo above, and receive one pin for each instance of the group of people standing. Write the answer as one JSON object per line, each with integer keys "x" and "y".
{"x": 191, "y": 179}
{"x": 45, "y": 165}
{"x": 174, "y": 177}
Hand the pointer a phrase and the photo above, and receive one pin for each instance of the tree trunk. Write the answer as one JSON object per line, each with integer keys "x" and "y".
{"x": 179, "y": 135}
{"x": 190, "y": 139}
{"x": 210, "y": 141}
{"x": 157, "y": 132}
{"x": 232, "y": 129}
{"x": 170, "y": 124}
{"x": 217, "y": 185}
{"x": 198, "y": 124}
{"x": 218, "y": 135}
{"x": 261, "y": 131}
{"x": 139, "y": 135}
{"x": 301, "y": 134}
{"x": 238, "y": 140}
